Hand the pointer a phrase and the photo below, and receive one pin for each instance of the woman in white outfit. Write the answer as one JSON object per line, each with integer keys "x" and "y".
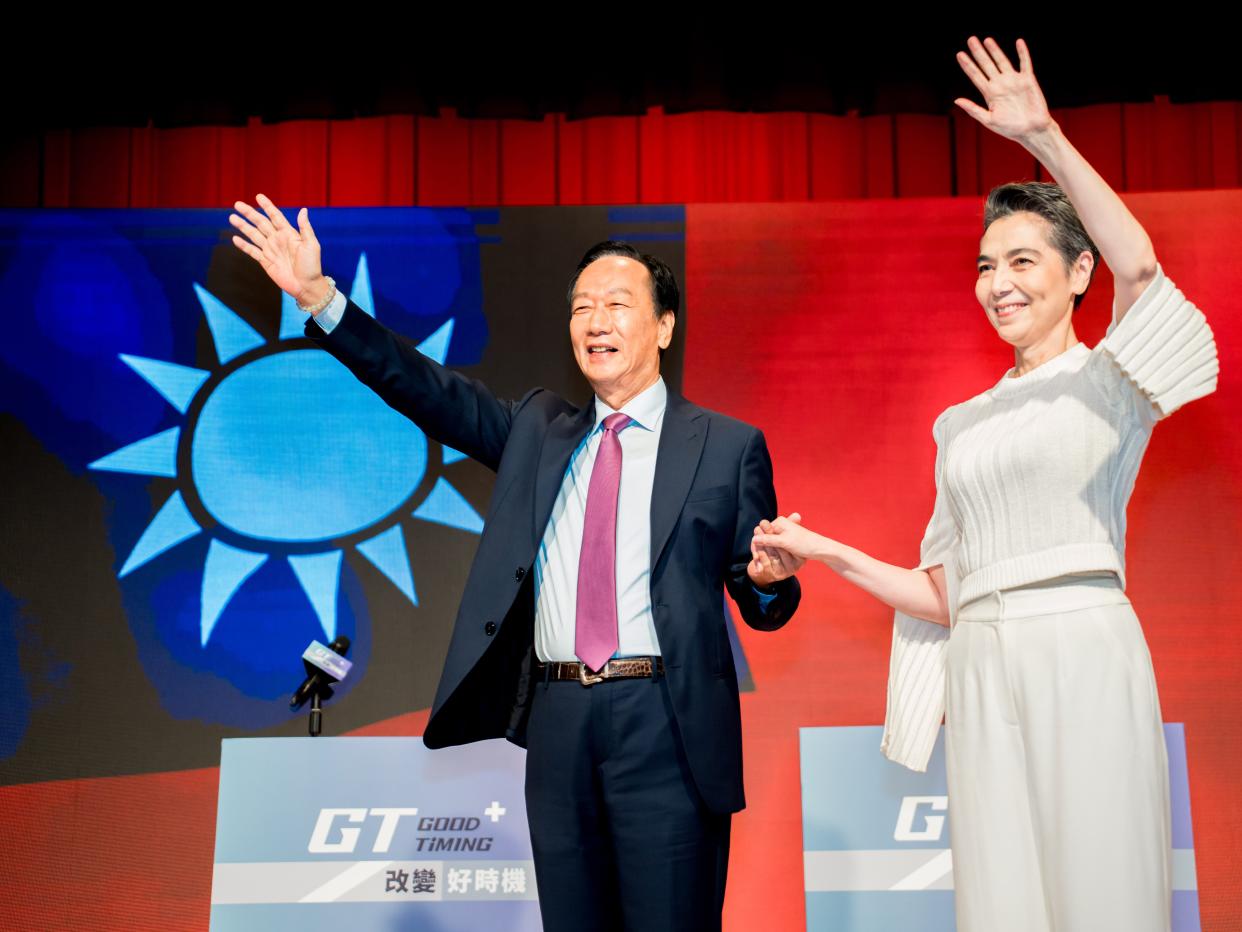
{"x": 1058, "y": 787}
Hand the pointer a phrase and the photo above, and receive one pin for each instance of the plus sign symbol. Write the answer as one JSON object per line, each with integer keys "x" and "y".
{"x": 495, "y": 811}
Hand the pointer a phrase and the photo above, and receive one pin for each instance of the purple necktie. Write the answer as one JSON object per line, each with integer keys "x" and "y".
{"x": 595, "y": 632}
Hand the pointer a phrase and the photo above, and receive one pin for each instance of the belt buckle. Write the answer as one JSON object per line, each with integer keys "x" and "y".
{"x": 590, "y": 679}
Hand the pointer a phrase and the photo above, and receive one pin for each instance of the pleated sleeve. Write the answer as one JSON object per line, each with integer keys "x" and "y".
{"x": 916, "y": 669}
{"x": 1164, "y": 347}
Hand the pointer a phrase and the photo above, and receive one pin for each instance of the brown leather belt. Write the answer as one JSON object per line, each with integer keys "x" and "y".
{"x": 622, "y": 669}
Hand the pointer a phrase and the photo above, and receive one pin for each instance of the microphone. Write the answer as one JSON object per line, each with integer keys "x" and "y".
{"x": 324, "y": 666}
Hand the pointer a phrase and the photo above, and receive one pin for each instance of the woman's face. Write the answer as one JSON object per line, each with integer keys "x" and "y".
{"x": 1023, "y": 284}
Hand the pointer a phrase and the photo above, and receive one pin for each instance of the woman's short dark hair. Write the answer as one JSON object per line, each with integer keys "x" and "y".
{"x": 664, "y": 294}
{"x": 1049, "y": 201}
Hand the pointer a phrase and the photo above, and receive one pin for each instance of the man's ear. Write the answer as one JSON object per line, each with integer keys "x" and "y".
{"x": 668, "y": 321}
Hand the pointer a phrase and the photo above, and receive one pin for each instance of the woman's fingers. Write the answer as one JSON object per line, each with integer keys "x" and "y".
{"x": 973, "y": 109}
{"x": 982, "y": 59}
{"x": 977, "y": 77}
{"x": 778, "y": 525}
{"x": 1013, "y": 104}
{"x": 987, "y": 62}
{"x": 998, "y": 56}
{"x": 1024, "y": 59}
{"x": 773, "y": 553}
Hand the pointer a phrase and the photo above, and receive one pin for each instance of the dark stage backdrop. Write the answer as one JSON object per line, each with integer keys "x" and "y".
{"x": 841, "y": 328}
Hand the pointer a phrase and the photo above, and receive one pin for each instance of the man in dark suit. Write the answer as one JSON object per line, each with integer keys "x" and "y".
{"x": 591, "y": 629}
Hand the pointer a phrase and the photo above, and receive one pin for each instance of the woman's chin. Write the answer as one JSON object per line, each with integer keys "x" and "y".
{"x": 1011, "y": 333}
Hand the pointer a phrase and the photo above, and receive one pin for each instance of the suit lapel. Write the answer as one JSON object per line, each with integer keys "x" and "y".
{"x": 677, "y": 460}
{"x": 562, "y": 438}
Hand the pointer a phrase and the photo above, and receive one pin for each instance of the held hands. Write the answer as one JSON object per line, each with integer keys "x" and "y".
{"x": 789, "y": 538}
{"x": 771, "y": 563}
{"x": 289, "y": 256}
{"x": 1015, "y": 105}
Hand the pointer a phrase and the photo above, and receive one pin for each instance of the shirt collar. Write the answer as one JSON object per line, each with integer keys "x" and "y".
{"x": 645, "y": 409}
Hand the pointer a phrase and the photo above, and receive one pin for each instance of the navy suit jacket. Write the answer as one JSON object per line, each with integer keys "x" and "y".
{"x": 713, "y": 482}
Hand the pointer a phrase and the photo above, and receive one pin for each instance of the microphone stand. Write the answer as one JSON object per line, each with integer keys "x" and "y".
{"x": 316, "y": 716}
{"x": 318, "y": 693}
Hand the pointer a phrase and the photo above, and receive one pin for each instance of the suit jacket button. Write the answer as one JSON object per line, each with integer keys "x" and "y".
{"x": 519, "y": 573}
{"x": 490, "y": 628}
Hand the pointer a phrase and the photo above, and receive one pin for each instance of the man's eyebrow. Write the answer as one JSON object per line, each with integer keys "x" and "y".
{"x": 618, "y": 290}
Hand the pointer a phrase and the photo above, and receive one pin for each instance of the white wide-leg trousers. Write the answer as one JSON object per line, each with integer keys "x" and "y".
{"x": 1057, "y": 769}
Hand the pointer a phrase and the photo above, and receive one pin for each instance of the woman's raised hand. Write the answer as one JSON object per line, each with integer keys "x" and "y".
{"x": 1016, "y": 108}
{"x": 289, "y": 255}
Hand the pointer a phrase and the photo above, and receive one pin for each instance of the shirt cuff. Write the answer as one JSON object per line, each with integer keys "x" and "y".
{"x": 330, "y": 316}
{"x": 764, "y": 598}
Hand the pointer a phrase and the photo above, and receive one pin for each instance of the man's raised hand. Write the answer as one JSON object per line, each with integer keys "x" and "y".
{"x": 289, "y": 255}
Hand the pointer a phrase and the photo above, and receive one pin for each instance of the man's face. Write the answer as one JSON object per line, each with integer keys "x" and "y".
{"x": 613, "y": 328}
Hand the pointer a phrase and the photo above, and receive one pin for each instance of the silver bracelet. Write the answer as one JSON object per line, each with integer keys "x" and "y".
{"x": 316, "y": 308}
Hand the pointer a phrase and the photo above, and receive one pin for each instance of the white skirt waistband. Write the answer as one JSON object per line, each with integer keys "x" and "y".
{"x": 1049, "y": 597}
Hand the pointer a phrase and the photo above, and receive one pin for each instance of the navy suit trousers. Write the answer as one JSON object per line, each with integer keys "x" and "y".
{"x": 622, "y": 840}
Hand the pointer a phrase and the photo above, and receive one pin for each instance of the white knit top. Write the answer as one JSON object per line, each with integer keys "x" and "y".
{"x": 1032, "y": 481}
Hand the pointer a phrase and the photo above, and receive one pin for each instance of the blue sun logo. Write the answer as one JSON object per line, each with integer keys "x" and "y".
{"x": 270, "y": 441}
